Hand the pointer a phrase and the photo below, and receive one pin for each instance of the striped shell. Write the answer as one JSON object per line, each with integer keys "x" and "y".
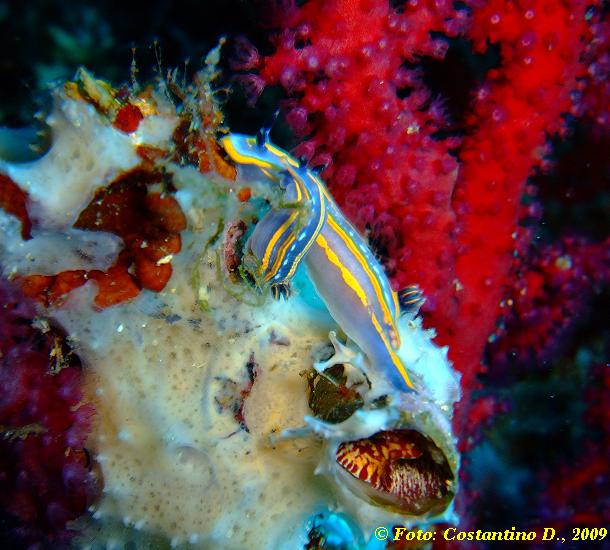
{"x": 402, "y": 469}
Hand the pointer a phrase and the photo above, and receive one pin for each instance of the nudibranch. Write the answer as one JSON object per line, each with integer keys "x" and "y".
{"x": 310, "y": 227}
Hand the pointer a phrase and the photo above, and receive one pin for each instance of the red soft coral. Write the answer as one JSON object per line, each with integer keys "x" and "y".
{"x": 551, "y": 291}
{"x": 520, "y": 104}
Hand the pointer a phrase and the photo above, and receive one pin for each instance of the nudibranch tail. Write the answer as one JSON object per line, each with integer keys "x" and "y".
{"x": 347, "y": 293}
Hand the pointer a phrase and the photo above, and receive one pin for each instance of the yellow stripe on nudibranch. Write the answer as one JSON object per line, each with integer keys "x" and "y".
{"x": 276, "y": 236}
{"x": 413, "y": 290}
{"x": 271, "y": 175}
{"x": 325, "y": 192}
{"x": 346, "y": 274}
{"x": 395, "y": 300}
{"x": 396, "y": 362}
{"x": 279, "y": 258}
{"x": 321, "y": 219}
{"x": 388, "y": 318}
{"x": 353, "y": 283}
{"x": 281, "y": 154}
{"x": 281, "y": 230}
{"x": 304, "y": 250}
{"x": 244, "y": 159}
{"x": 349, "y": 242}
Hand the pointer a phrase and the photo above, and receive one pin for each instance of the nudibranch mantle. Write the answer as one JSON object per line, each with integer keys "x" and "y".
{"x": 345, "y": 273}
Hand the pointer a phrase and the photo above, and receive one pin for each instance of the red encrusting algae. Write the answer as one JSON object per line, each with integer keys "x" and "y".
{"x": 14, "y": 200}
{"x": 149, "y": 224}
{"x": 128, "y": 118}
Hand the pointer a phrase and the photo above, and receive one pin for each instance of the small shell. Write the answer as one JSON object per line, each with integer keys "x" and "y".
{"x": 400, "y": 469}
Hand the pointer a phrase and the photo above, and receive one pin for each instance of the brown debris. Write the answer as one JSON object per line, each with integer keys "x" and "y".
{"x": 232, "y": 248}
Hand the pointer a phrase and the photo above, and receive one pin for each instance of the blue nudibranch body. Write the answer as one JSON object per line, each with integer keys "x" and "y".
{"x": 345, "y": 273}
